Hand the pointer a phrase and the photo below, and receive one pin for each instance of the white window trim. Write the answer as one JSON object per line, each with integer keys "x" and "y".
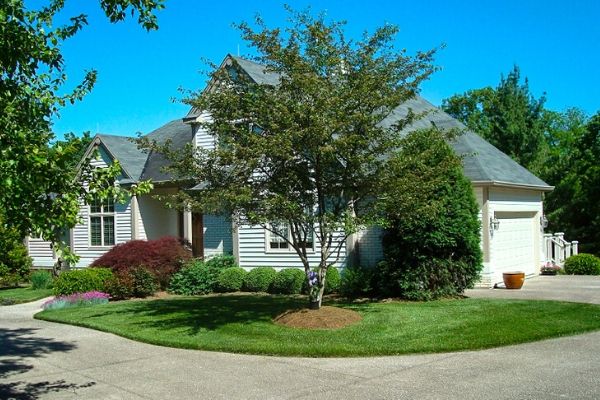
{"x": 101, "y": 214}
{"x": 289, "y": 249}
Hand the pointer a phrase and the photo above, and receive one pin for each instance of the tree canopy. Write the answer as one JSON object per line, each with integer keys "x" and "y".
{"x": 39, "y": 189}
{"x": 508, "y": 116}
{"x": 303, "y": 157}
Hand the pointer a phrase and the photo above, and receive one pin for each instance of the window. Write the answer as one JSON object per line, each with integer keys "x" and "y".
{"x": 102, "y": 222}
{"x": 275, "y": 241}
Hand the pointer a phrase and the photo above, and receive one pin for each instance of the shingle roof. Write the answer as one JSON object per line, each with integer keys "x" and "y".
{"x": 125, "y": 150}
{"x": 179, "y": 133}
{"x": 482, "y": 162}
{"x": 257, "y": 72}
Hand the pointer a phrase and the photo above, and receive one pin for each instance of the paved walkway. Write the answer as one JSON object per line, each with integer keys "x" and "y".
{"x": 42, "y": 360}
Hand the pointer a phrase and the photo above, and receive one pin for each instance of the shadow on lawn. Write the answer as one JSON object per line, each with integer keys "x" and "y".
{"x": 212, "y": 312}
{"x": 17, "y": 345}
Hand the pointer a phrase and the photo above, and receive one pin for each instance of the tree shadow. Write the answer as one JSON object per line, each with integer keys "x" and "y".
{"x": 19, "y": 345}
{"x": 211, "y": 312}
{"x": 32, "y": 391}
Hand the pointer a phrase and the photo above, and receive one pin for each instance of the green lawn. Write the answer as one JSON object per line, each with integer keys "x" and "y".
{"x": 243, "y": 324}
{"x": 22, "y": 295}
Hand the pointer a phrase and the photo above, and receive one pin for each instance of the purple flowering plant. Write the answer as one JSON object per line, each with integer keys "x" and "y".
{"x": 76, "y": 300}
{"x": 313, "y": 280}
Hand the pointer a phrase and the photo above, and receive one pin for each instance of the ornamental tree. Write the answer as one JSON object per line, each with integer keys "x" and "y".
{"x": 302, "y": 157}
{"x": 40, "y": 189}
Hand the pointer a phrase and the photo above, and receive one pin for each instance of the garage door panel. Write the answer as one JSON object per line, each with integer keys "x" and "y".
{"x": 513, "y": 243}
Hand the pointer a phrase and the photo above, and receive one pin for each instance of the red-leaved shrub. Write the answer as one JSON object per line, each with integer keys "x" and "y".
{"x": 162, "y": 257}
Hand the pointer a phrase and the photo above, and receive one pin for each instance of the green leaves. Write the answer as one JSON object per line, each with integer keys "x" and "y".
{"x": 508, "y": 116}
{"x": 39, "y": 189}
{"x": 300, "y": 141}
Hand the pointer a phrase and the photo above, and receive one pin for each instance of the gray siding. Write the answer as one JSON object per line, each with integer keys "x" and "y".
{"x": 252, "y": 251}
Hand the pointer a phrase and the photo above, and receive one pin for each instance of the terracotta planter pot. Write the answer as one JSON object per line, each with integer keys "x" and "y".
{"x": 513, "y": 280}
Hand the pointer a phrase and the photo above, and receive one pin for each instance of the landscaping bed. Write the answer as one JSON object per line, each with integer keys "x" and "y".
{"x": 244, "y": 323}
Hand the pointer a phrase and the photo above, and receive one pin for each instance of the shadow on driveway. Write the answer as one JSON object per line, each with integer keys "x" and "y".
{"x": 16, "y": 347}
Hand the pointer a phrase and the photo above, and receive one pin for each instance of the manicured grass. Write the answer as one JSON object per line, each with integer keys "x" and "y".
{"x": 22, "y": 295}
{"x": 243, "y": 324}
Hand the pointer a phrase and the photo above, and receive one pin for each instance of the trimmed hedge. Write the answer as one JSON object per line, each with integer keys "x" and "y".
{"x": 199, "y": 277}
{"x": 582, "y": 264}
{"x": 357, "y": 281}
{"x": 259, "y": 279}
{"x": 333, "y": 280}
{"x": 82, "y": 280}
{"x": 162, "y": 257}
{"x": 231, "y": 279}
{"x": 288, "y": 281}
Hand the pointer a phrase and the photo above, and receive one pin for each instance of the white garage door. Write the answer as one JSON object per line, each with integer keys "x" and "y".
{"x": 513, "y": 244}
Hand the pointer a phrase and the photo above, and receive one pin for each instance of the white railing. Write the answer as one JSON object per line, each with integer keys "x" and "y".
{"x": 557, "y": 249}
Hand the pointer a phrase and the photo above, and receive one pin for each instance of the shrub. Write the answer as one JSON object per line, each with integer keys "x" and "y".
{"x": 356, "y": 281}
{"x": 144, "y": 283}
{"x": 332, "y": 280}
{"x": 119, "y": 287}
{"x": 41, "y": 279}
{"x": 432, "y": 247}
{"x": 221, "y": 262}
{"x": 582, "y": 264}
{"x": 259, "y": 279}
{"x": 76, "y": 300}
{"x": 162, "y": 257}
{"x": 231, "y": 279}
{"x": 288, "y": 281}
{"x": 81, "y": 281}
{"x": 198, "y": 277}
{"x": 15, "y": 263}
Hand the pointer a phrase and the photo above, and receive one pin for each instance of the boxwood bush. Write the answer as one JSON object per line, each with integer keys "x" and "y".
{"x": 582, "y": 264}
{"x": 199, "y": 277}
{"x": 357, "y": 281}
{"x": 288, "y": 281}
{"x": 333, "y": 280}
{"x": 231, "y": 279}
{"x": 259, "y": 279}
{"x": 82, "y": 280}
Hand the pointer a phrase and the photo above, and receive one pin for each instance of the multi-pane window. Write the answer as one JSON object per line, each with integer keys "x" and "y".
{"x": 281, "y": 230}
{"x": 102, "y": 222}
{"x": 276, "y": 241}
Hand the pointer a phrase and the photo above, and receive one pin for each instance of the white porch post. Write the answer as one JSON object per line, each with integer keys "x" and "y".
{"x": 575, "y": 247}
{"x": 548, "y": 247}
{"x": 135, "y": 222}
{"x": 560, "y": 253}
{"x": 187, "y": 224}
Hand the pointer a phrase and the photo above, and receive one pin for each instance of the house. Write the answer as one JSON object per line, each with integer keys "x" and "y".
{"x": 509, "y": 198}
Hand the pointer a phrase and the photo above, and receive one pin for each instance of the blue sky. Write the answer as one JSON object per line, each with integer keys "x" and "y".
{"x": 556, "y": 44}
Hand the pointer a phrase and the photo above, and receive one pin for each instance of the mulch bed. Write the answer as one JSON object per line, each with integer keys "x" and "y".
{"x": 324, "y": 318}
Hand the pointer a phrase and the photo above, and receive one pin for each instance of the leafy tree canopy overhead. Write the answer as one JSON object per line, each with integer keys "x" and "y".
{"x": 307, "y": 151}
{"x": 39, "y": 191}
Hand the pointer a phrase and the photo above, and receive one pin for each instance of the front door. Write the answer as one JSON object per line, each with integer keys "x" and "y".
{"x": 197, "y": 235}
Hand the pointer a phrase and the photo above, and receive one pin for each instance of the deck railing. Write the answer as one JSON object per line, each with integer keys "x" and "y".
{"x": 557, "y": 249}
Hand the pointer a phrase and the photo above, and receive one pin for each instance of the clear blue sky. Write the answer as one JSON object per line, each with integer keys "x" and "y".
{"x": 556, "y": 44}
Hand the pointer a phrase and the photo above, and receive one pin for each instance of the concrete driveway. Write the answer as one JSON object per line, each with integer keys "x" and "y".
{"x": 42, "y": 360}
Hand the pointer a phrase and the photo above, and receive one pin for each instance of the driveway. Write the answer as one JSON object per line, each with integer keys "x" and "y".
{"x": 51, "y": 361}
